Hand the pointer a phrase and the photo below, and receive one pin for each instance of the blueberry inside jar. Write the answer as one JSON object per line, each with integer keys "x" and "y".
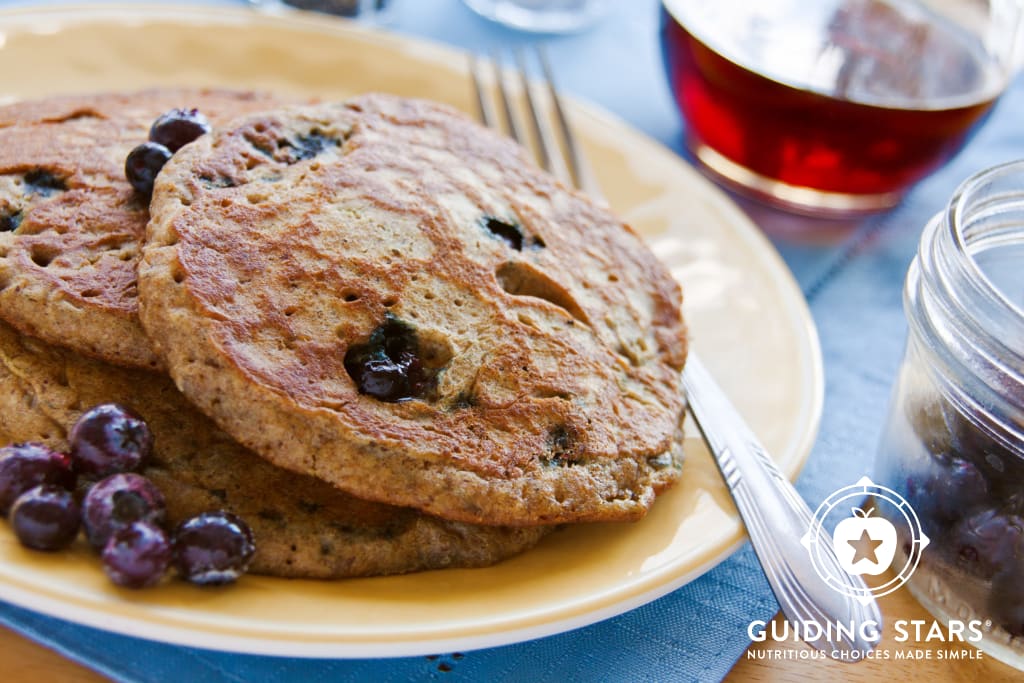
{"x": 953, "y": 444}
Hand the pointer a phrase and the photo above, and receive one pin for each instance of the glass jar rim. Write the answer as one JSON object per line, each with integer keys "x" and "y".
{"x": 956, "y": 218}
{"x": 972, "y": 332}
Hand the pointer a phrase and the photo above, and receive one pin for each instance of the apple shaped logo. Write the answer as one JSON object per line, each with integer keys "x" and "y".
{"x": 864, "y": 544}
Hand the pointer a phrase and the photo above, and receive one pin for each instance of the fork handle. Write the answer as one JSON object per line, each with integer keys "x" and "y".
{"x": 775, "y": 515}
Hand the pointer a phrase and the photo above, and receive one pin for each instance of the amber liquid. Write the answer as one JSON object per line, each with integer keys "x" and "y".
{"x": 876, "y": 136}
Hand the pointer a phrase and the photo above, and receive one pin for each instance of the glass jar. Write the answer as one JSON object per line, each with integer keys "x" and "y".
{"x": 954, "y": 441}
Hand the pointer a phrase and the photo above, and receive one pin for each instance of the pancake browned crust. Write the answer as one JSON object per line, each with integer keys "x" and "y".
{"x": 284, "y": 240}
{"x": 70, "y": 224}
{"x": 303, "y": 527}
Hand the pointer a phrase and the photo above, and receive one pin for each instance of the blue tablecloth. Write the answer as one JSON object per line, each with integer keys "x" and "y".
{"x": 852, "y": 276}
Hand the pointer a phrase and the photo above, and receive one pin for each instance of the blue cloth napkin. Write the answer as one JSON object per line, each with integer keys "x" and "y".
{"x": 853, "y": 282}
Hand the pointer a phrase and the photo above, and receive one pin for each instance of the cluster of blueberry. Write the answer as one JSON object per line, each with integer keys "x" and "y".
{"x": 123, "y": 513}
{"x": 169, "y": 133}
{"x": 972, "y": 507}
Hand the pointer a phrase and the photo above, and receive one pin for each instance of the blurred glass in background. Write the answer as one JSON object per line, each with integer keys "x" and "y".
{"x": 835, "y": 107}
{"x": 544, "y": 16}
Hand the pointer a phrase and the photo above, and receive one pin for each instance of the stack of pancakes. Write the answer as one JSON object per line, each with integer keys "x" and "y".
{"x": 223, "y": 309}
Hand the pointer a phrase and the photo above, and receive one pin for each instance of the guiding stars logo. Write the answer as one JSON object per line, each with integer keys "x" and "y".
{"x": 865, "y": 540}
{"x": 871, "y": 523}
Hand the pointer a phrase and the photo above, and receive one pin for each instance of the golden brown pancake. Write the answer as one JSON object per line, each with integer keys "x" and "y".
{"x": 303, "y": 527}
{"x": 71, "y": 225}
{"x": 386, "y": 296}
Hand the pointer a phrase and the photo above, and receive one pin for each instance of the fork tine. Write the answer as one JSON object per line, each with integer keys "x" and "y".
{"x": 483, "y": 104}
{"x": 531, "y": 107}
{"x": 547, "y": 142}
{"x": 511, "y": 121}
{"x": 581, "y": 175}
{"x": 570, "y": 167}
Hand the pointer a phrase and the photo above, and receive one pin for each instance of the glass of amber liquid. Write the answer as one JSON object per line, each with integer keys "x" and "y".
{"x": 835, "y": 107}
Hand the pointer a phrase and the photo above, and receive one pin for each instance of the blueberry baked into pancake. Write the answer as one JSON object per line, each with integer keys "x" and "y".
{"x": 302, "y": 527}
{"x": 71, "y": 224}
{"x": 383, "y": 295}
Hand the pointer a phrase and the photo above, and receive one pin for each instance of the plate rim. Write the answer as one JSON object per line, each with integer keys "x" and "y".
{"x": 654, "y": 587}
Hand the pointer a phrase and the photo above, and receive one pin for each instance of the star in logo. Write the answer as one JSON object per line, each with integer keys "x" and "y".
{"x": 865, "y": 548}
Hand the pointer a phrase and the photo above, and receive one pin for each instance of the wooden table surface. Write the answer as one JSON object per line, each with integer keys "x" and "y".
{"x": 767, "y": 661}
{"x": 24, "y": 660}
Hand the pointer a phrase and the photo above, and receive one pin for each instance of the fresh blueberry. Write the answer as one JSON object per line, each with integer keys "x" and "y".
{"x": 46, "y": 518}
{"x": 178, "y": 127}
{"x": 388, "y": 366}
{"x": 949, "y": 493}
{"x": 137, "y": 556}
{"x": 1014, "y": 504}
{"x": 1001, "y": 466}
{"x": 109, "y": 438}
{"x": 144, "y": 163}
{"x": 24, "y": 466}
{"x": 213, "y": 548}
{"x": 116, "y": 502}
{"x": 987, "y": 542}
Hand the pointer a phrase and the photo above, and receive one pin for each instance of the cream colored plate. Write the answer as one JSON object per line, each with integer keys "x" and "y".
{"x": 747, "y": 316}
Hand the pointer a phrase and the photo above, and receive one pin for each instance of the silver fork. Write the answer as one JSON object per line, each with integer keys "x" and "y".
{"x": 780, "y": 525}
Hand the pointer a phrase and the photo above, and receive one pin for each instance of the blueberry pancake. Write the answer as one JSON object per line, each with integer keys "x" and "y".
{"x": 303, "y": 527}
{"x": 70, "y": 224}
{"x": 386, "y": 296}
